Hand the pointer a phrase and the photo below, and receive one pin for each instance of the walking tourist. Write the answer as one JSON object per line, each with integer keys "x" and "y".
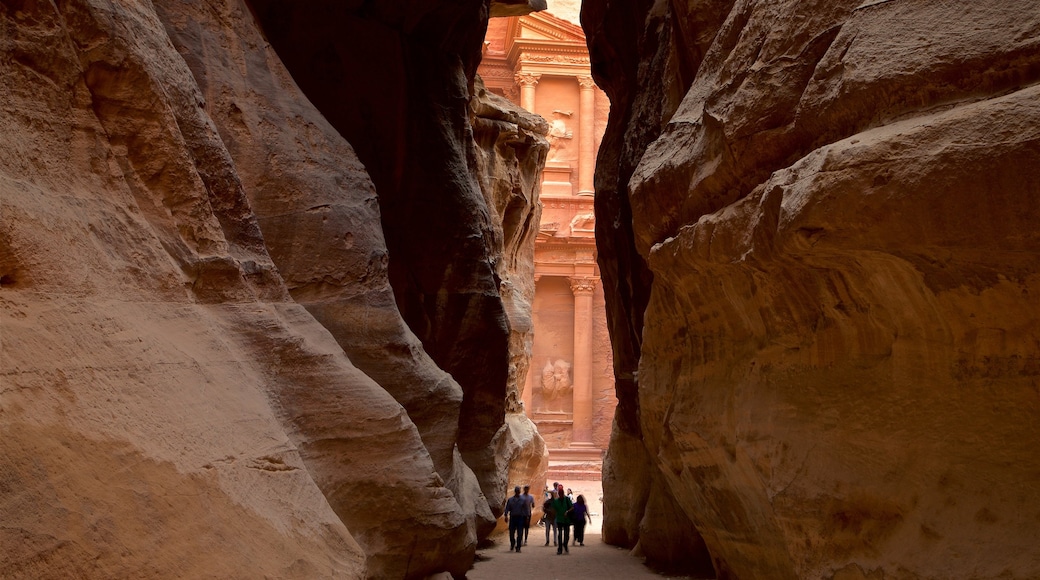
{"x": 515, "y": 507}
{"x": 564, "y": 508}
{"x": 529, "y": 502}
{"x": 549, "y": 517}
{"x": 578, "y": 517}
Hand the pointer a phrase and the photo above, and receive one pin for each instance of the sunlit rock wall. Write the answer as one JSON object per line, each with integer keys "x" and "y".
{"x": 818, "y": 228}
{"x": 510, "y": 156}
{"x": 205, "y": 371}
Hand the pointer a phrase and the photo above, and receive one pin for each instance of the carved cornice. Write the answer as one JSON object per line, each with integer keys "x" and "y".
{"x": 497, "y": 72}
{"x": 531, "y": 57}
{"x": 565, "y": 59}
{"x": 584, "y": 256}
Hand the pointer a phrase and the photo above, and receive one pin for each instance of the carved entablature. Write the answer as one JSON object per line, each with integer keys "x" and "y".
{"x": 575, "y": 203}
{"x": 531, "y": 58}
{"x": 584, "y": 256}
{"x": 497, "y": 72}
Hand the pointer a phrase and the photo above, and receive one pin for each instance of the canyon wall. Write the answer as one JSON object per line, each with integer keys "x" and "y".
{"x": 205, "y": 368}
{"x": 818, "y": 232}
{"x": 510, "y": 155}
{"x": 395, "y": 84}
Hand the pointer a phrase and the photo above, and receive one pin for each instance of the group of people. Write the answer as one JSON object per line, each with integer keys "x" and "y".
{"x": 559, "y": 513}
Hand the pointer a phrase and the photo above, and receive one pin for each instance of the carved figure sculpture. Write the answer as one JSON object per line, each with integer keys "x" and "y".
{"x": 557, "y": 130}
{"x": 556, "y": 379}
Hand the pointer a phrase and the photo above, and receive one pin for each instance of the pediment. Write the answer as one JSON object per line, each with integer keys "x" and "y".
{"x": 545, "y": 26}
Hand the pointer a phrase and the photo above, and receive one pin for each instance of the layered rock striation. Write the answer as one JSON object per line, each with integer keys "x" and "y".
{"x": 205, "y": 368}
{"x": 396, "y": 84}
{"x": 510, "y": 155}
{"x": 818, "y": 233}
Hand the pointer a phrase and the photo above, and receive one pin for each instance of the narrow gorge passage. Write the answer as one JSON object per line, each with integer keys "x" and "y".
{"x": 288, "y": 290}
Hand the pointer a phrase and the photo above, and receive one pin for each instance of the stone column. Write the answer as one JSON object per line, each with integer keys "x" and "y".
{"x": 532, "y": 372}
{"x": 582, "y": 289}
{"x": 587, "y": 137}
{"x": 527, "y": 82}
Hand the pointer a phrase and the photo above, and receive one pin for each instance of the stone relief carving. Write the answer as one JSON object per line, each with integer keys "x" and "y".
{"x": 557, "y": 132}
{"x": 556, "y": 380}
{"x": 553, "y": 58}
{"x": 583, "y": 222}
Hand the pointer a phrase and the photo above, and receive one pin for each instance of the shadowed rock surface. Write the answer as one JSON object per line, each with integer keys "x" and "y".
{"x": 396, "y": 83}
{"x": 510, "y": 156}
{"x": 818, "y": 234}
{"x": 189, "y": 252}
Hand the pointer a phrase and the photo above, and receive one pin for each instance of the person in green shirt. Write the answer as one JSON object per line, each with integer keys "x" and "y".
{"x": 563, "y": 507}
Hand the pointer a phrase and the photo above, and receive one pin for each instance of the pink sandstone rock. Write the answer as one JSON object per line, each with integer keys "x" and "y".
{"x": 511, "y": 151}
{"x": 406, "y": 114}
{"x": 316, "y": 206}
{"x": 820, "y": 228}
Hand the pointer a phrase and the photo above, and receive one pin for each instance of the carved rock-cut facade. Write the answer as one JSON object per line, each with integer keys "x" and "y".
{"x": 541, "y": 62}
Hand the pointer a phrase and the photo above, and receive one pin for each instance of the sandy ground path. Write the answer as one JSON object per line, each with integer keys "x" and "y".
{"x": 538, "y": 561}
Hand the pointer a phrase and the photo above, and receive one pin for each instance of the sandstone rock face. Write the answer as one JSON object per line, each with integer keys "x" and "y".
{"x": 510, "y": 155}
{"x": 395, "y": 83}
{"x": 819, "y": 221}
{"x": 516, "y": 7}
{"x": 189, "y": 252}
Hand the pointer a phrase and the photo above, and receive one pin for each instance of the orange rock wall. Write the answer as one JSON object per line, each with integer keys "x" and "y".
{"x": 511, "y": 148}
{"x": 204, "y": 367}
{"x": 817, "y": 225}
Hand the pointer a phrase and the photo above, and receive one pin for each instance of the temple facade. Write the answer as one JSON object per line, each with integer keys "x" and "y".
{"x": 541, "y": 62}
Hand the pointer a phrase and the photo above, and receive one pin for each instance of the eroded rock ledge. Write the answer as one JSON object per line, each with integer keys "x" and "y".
{"x": 818, "y": 228}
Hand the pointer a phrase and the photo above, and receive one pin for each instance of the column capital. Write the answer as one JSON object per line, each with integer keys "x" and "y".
{"x": 586, "y": 82}
{"x": 583, "y": 285}
{"x": 526, "y": 79}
